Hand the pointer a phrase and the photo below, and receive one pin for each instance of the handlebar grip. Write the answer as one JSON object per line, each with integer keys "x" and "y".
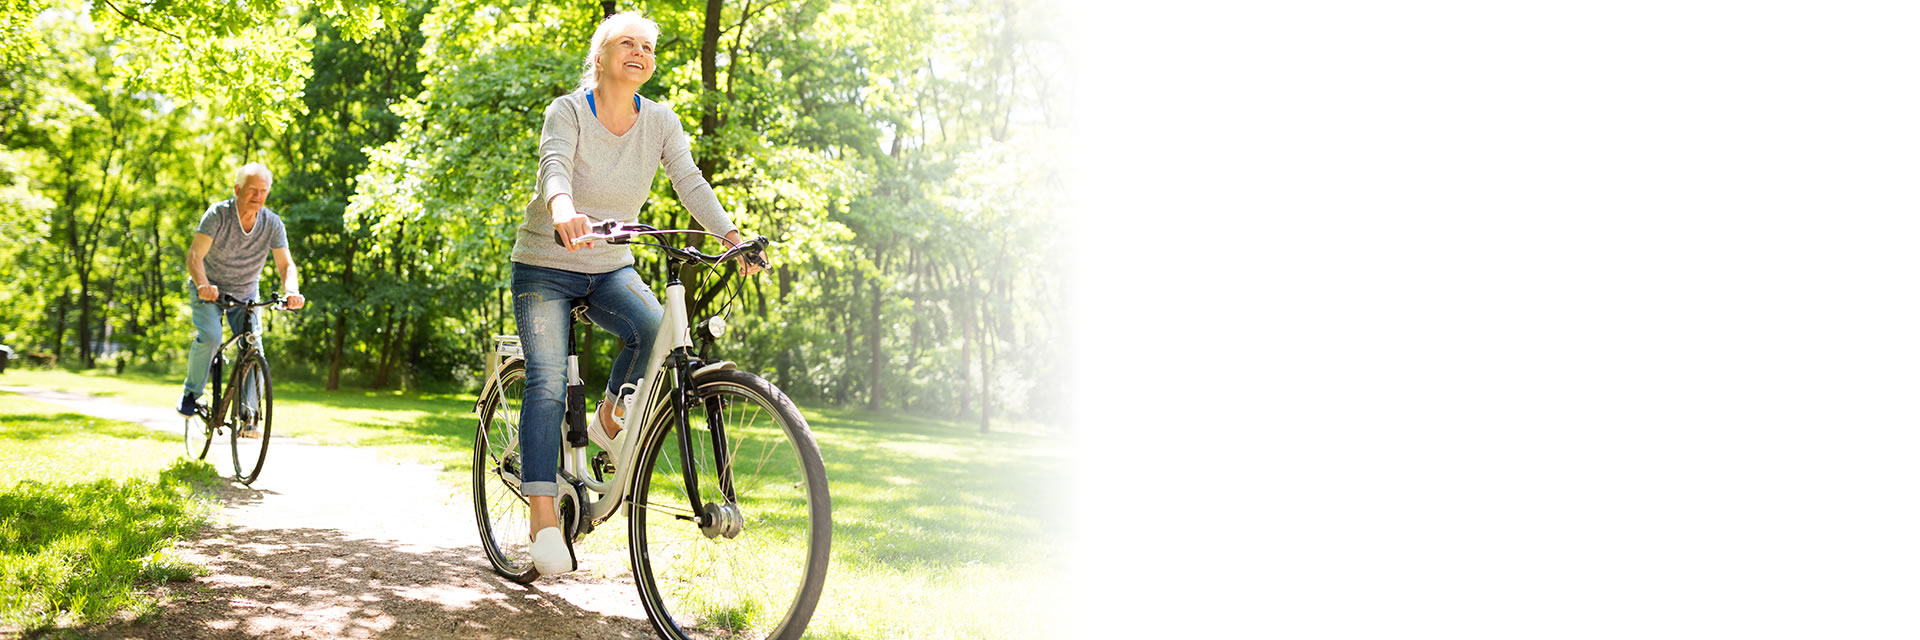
{"x": 759, "y": 257}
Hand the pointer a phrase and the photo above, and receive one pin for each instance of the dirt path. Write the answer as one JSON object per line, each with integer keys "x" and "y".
{"x": 334, "y": 542}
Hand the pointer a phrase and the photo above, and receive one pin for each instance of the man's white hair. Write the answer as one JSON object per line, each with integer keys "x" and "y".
{"x": 252, "y": 169}
{"x": 589, "y": 75}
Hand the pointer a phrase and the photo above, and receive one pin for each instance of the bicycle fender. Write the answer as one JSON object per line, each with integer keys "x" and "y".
{"x": 492, "y": 381}
{"x": 723, "y": 365}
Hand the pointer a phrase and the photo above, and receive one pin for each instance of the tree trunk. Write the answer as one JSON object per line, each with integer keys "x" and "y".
{"x": 338, "y": 340}
{"x": 711, "y": 87}
{"x": 84, "y": 331}
{"x": 963, "y": 305}
{"x": 386, "y": 350}
{"x": 156, "y": 279}
{"x": 986, "y": 363}
{"x": 842, "y": 391}
{"x": 986, "y": 380}
{"x": 410, "y": 338}
{"x": 784, "y": 360}
{"x": 876, "y": 390}
{"x": 340, "y": 329}
{"x": 919, "y": 298}
{"x": 60, "y": 324}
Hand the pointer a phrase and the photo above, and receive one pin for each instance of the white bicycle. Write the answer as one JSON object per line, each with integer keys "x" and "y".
{"x": 728, "y": 517}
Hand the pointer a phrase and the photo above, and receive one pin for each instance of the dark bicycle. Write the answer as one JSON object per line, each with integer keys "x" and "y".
{"x": 244, "y": 413}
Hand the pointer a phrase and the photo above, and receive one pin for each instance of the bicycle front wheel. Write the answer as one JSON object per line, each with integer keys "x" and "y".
{"x": 198, "y": 435}
{"x": 498, "y": 506}
{"x": 252, "y": 417}
{"x": 762, "y": 576}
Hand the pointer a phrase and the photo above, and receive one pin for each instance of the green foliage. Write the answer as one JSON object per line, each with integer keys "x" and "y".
{"x": 19, "y": 46}
{"x": 903, "y": 156}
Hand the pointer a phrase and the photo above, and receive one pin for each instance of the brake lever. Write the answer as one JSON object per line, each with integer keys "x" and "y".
{"x": 759, "y": 254}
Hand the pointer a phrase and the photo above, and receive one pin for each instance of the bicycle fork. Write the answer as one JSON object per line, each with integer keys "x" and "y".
{"x": 714, "y": 519}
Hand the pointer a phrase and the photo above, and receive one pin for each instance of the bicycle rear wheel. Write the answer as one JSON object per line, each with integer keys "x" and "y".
{"x": 198, "y": 435}
{"x": 765, "y": 581}
{"x": 498, "y": 506}
{"x": 252, "y": 415}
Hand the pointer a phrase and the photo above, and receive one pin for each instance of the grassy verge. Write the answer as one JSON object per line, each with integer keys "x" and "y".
{"x": 88, "y": 511}
{"x": 939, "y": 531}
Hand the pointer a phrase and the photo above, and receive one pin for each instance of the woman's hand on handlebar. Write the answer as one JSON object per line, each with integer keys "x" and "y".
{"x": 747, "y": 267}
{"x": 569, "y": 224}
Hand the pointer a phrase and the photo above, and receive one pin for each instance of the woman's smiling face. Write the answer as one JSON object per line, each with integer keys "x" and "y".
{"x": 627, "y": 56}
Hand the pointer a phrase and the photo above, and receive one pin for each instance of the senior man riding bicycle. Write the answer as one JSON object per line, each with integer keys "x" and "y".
{"x": 233, "y": 241}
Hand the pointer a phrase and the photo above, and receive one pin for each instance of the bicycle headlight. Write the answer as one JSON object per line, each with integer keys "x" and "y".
{"x": 714, "y": 327}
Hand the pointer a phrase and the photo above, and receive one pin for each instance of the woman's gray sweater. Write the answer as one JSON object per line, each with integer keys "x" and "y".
{"x": 609, "y": 177}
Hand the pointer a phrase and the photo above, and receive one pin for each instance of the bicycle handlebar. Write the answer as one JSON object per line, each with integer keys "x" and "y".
{"x": 227, "y": 301}
{"x": 617, "y": 232}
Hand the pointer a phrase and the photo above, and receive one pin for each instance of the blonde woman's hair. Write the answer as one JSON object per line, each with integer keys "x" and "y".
{"x": 589, "y": 76}
{"x": 252, "y": 169}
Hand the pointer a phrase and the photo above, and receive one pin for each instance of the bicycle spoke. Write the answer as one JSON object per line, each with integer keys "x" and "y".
{"x": 669, "y": 509}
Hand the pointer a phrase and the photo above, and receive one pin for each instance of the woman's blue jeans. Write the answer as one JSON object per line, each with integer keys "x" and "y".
{"x": 543, "y": 299}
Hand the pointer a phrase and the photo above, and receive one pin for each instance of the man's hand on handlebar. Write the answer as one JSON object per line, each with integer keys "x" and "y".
{"x": 295, "y": 301}
{"x": 208, "y": 292}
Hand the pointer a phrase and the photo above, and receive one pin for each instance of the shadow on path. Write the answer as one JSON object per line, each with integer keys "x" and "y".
{"x": 321, "y": 583}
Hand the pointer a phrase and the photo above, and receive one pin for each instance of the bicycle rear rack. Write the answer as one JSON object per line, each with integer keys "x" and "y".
{"x": 506, "y": 349}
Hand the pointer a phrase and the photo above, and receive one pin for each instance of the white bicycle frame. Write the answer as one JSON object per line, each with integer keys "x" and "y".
{"x": 674, "y": 333}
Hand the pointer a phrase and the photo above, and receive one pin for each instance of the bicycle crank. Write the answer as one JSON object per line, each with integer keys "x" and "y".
{"x": 723, "y": 520}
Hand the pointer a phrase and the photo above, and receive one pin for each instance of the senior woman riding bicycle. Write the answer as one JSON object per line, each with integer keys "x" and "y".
{"x": 599, "y": 149}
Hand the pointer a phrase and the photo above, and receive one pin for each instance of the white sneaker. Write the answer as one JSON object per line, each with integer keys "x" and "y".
{"x": 552, "y": 555}
{"x": 596, "y": 431}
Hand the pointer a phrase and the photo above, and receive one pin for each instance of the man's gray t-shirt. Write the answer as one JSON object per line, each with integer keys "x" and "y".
{"x": 234, "y": 260}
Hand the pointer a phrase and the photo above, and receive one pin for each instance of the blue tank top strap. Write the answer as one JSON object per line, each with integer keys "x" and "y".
{"x": 596, "y": 110}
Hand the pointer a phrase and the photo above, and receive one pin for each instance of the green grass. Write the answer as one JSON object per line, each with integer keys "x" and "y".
{"x": 939, "y": 531}
{"x": 89, "y": 509}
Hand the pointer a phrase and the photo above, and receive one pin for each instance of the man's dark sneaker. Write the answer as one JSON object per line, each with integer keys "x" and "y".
{"x": 189, "y": 404}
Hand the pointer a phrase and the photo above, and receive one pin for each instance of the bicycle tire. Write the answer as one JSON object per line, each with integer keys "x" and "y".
{"x": 498, "y": 507}
{"x": 250, "y": 454}
{"x": 198, "y": 436}
{"x": 766, "y": 582}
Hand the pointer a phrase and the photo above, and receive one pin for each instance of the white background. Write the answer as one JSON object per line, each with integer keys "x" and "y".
{"x": 1497, "y": 319}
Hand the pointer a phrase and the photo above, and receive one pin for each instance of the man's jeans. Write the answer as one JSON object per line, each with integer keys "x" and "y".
{"x": 618, "y": 301}
{"x": 206, "y": 338}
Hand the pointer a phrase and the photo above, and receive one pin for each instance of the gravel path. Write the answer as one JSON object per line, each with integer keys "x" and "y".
{"x": 334, "y": 542}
